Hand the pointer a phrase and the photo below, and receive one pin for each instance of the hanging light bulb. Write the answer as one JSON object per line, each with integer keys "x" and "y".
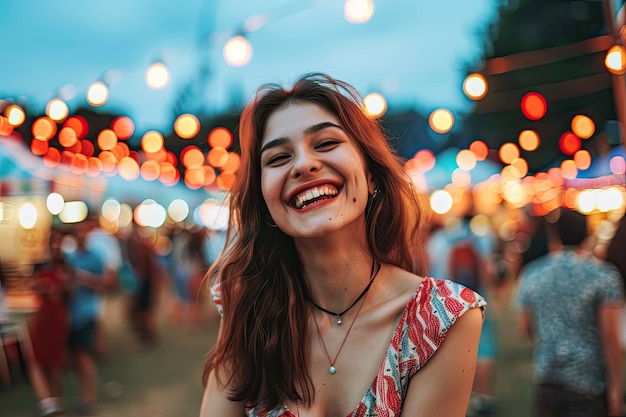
{"x": 157, "y": 76}
{"x": 237, "y": 51}
{"x": 98, "y": 94}
{"x": 358, "y": 11}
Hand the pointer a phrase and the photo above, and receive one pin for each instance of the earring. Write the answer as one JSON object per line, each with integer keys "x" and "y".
{"x": 370, "y": 200}
{"x": 269, "y": 221}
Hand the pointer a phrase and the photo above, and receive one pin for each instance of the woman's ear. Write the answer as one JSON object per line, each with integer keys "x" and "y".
{"x": 371, "y": 184}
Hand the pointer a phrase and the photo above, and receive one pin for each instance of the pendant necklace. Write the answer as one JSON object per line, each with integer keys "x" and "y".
{"x": 332, "y": 369}
{"x": 373, "y": 273}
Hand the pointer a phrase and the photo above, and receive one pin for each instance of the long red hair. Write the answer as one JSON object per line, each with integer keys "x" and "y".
{"x": 263, "y": 340}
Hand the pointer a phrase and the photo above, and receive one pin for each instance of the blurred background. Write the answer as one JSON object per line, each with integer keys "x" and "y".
{"x": 123, "y": 116}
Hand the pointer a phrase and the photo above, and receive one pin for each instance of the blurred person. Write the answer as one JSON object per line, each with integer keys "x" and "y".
{"x": 49, "y": 327}
{"x": 89, "y": 282}
{"x": 106, "y": 245}
{"x": 570, "y": 305}
{"x": 147, "y": 271}
{"x": 458, "y": 253}
{"x": 615, "y": 254}
{"x": 323, "y": 310}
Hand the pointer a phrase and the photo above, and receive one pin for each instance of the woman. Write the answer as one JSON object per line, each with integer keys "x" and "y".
{"x": 323, "y": 313}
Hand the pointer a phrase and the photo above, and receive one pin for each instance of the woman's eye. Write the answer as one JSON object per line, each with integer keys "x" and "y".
{"x": 327, "y": 144}
{"x": 274, "y": 159}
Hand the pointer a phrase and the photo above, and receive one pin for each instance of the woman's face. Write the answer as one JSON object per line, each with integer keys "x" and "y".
{"x": 313, "y": 176}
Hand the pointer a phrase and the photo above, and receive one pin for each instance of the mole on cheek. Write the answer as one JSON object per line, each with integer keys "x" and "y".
{"x": 354, "y": 200}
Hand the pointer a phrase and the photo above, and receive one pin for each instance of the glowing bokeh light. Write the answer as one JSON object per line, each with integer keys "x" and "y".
{"x": 98, "y": 94}
{"x": 55, "y": 203}
{"x": 466, "y": 159}
{"x": 225, "y": 180}
{"x": 67, "y": 137}
{"x": 237, "y": 51}
{"x": 480, "y": 150}
{"x": 123, "y": 127}
{"x": 508, "y": 152}
{"x": 233, "y": 162}
{"x": 569, "y": 143}
{"x": 375, "y": 105}
{"x": 150, "y": 170}
{"x": 44, "y": 128}
{"x": 220, "y": 137}
{"x": 582, "y": 159}
{"x": 568, "y": 169}
{"x": 15, "y": 115}
{"x": 152, "y": 141}
{"x": 475, "y": 86}
{"x": 441, "y": 121}
{"x": 79, "y": 125}
{"x": 528, "y": 140}
{"x": 617, "y": 165}
{"x": 52, "y": 158}
{"x": 187, "y": 126}
{"x": 111, "y": 209}
{"x": 39, "y": 147}
{"x": 178, "y": 210}
{"x": 57, "y": 109}
{"x": 27, "y": 216}
{"x": 150, "y": 213}
{"x": 192, "y": 156}
{"x": 534, "y": 106}
{"x": 128, "y": 168}
{"x": 441, "y": 201}
{"x": 358, "y": 11}
{"x": 615, "y": 60}
{"x": 157, "y": 76}
{"x": 217, "y": 157}
{"x": 583, "y": 126}
{"x": 74, "y": 212}
{"x": 586, "y": 201}
{"x": 107, "y": 140}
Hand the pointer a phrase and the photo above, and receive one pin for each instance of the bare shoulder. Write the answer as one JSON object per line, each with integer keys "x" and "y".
{"x": 398, "y": 285}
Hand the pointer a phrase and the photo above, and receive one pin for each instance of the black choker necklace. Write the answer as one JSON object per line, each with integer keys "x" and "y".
{"x": 373, "y": 275}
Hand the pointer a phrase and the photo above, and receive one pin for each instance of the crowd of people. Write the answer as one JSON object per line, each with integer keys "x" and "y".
{"x": 84, "y": 265}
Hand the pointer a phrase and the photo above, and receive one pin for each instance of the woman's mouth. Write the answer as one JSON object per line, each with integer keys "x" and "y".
{"x": 313, "y": 195}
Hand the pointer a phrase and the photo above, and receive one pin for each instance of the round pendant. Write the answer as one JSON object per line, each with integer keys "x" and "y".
{"x": 331, "y": 370}
{"x": 339, "y": 320}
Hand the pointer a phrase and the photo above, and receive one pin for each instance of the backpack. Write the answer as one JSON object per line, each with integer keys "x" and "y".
{"x": 464, "y": 264}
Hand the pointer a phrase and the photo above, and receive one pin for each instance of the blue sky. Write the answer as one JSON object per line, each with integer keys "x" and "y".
{"x": 412, "y": 51}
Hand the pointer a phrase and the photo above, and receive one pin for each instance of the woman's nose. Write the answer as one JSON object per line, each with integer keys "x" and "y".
{"x": 305, "y": 163}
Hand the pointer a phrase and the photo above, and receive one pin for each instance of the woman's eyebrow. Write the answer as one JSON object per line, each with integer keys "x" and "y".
{"x": 308, "y": 131}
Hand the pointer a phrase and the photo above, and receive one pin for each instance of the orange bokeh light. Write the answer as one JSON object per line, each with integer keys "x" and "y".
{"x": 123, "y": 127}
{"x": 528, "y": 140}
{"x": 150, "y": 170}
{"x": 534, "y": 106}
{"x": 220, "y": 137}
{"x": 226, "y": 180}
{"x": 44, "y": 128}
{"x": 52, "y": 158}
{"x": 218, "y": 157}
{"x": 67, "y": 137}
{"x": 192, "y": 156}
{"x": 568, "y": 169}
{"x": 480, "y": 149}
{"x": 79, "y": 124}
{"x": 152, "y": 142}
{"x": 508, "y": 152}
{"x": 582, "y": 159}
{"x": 569, "y": 143}
{"x": 39, "y": 147}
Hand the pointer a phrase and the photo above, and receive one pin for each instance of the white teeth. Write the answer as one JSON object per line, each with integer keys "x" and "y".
{"x": 303, "y": 198}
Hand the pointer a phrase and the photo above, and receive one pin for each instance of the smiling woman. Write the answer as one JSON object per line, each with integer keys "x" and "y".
{"x": 326, "y": 228}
